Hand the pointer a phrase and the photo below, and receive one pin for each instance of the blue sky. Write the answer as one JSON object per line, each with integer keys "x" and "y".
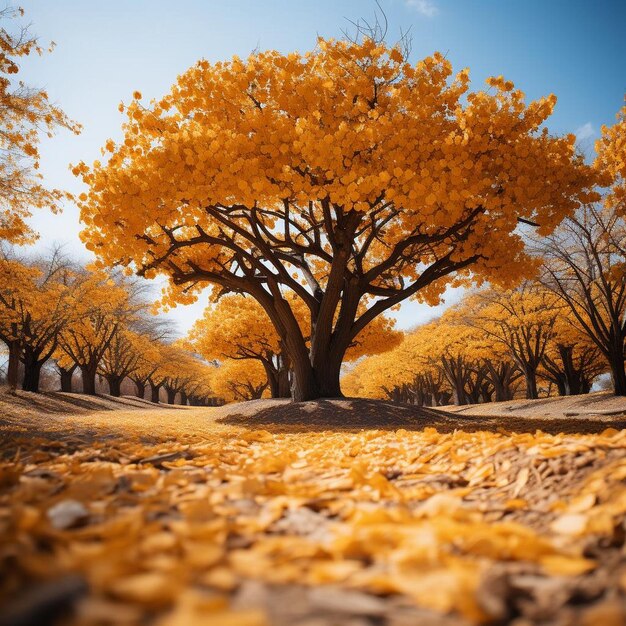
{"x": 106, "y": 50}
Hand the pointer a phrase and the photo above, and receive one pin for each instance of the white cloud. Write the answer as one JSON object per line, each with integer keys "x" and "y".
{"x": 586, "y": 131}
{"x": 425, "y": 7}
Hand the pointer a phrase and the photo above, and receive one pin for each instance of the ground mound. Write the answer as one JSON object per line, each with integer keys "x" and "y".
{"x": 357, "y": 413}
{"x": 25, "y": 404}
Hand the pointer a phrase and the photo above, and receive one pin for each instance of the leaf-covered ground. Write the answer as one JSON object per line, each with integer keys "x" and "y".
{"x": 176, "y": 519}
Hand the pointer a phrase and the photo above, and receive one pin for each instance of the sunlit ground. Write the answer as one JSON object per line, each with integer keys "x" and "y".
{"x": 168, "y": 517}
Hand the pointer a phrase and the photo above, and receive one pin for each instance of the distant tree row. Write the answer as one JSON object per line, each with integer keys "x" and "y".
{"x": 553, "y": 335}
{"x": 54, "y": 311}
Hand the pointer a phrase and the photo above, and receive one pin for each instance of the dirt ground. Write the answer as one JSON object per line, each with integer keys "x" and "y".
{"x": 29, "y": 414}
{"x": 335, "y": 512}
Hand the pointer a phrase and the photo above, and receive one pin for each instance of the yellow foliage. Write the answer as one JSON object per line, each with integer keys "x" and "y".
{"x": 27, "y": 114}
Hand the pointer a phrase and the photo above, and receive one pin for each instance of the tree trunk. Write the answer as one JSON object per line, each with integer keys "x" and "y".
{"x": 141, "y": 389}
{"x": 32, "y": 373}
{"x": 616, "y": 361}
{"x": 14, "y": 364}
{"x": 171, "y": 395}
{"x": 327, "y": 378}
{"x": 460, "y": 396}
{"x": 272, "y": 378}
{"x": 561, "y": 385}
{"x": 530, "y": 377}
{"x": 184, "y": 400}
{"x": 88, "y": 374}
{"x": 66, "y": 378}
{"x": 284, "y": 365}
{"x": 115, "y": 384}
{"x": 303, "y": 385}
{"x": 154, "y": 393}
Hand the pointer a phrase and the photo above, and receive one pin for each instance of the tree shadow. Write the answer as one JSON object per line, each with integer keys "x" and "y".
{"x": 354, "y": 414}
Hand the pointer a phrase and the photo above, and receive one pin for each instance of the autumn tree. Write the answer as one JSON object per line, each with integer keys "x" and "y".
{"x": 16, "y": 296}
{"x": 176, "y": 376}
{"x": 238, "y": 381}
{"x": 584, "y": 263}
{"x": 450, "y": 349}
{"x": 34, "y": 307}
{"x": 52, "y": 312}
{"x": 101, "y": 309}
{"x": 238, "y": 328}
{"x": 522, "y": 320}
{"x": 572, "y": 360}
{"x": 611, "y": 162}
{"x": 149, "y": 353}
{"x": 120, "y": 359}
{"x": 25, "y": 115}
{"x": 406, "y": 373}
{"x": 198, "y": 391}
{"x": 66, "y": 368}
{"x": 346, "y": 176}
{"x": 157, "y": 372}
{"x": 130, "y": 353}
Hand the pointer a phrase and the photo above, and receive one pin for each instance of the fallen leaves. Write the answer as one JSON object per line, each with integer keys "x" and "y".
{"x": 67, "y": 514}
{"x": 177, "y": 529}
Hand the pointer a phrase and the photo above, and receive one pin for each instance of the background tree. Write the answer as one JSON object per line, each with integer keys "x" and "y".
{"x": 25, "y": 115}
{"x": 238, "y": 328}
{"x": 149, "y": 352}
{"x": 239, "y": 381}
{"x": 66, "y": 368}
{"x": 346, "y": 176}
{"x": 572, "y": 360}
{"x": 407, "y": 373}
{"x": 120, "y": 359}
{"x": 157, "y": 377}
{"x": 43, "y": 324}
{"x": 176, "y": 371}
{"x": 101, "y": 308}
{"x": 522, "y": 320}
{"x": 17, "y": 297}
{"x": 34, "y": 307}
{"x": 584, "y": 267}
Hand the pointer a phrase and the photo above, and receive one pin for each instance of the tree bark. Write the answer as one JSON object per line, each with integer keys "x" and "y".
{"x": 88, "y": 374}
{"x": 284, "y": 390}
{"x": 184, "y": 400}
{"x": 154, "y": 393}
{"x": 272, "y": 378}
{"x": 616, "y": 362}
{"x": 141, "y": 389}
{"x": 14, "y": 364}
{"x": 32, "y": 374}
{"x": 304, "y": 384}
{"x": 115, "y": 384}
{"x": 171, "y": 395}
{"x": 66, "y": 378}
{"x": 327, "y": 378}
{"x": 530, "y": 376}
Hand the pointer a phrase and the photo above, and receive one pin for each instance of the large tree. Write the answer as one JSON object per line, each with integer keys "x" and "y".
{"x": 346, "y": 176}
{"x": 238, "y": 328}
